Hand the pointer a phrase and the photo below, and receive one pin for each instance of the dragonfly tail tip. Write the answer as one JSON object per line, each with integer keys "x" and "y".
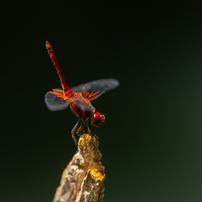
{"x": 47, "y": 44}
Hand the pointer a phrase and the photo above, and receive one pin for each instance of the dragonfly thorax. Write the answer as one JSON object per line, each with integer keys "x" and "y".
{"x": 83, "y": 110}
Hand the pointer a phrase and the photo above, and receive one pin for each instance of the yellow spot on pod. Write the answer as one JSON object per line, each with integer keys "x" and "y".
{"x": 86, "y": 140}
{"x": 95, "y": 174}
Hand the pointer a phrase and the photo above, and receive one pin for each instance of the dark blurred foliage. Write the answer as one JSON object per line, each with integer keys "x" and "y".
{"x": 151, "y": 141}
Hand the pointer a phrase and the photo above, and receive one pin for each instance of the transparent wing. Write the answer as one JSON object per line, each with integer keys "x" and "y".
{"x": 100, "y": 86}
{"x": 91, "y": 91}
{"x": 55, "y": 103}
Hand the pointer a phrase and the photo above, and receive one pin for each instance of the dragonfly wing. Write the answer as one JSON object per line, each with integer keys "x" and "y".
{"x": 55, "y": 103}
{"x": 78, "y": 88}
{"x": 100, "y": 86}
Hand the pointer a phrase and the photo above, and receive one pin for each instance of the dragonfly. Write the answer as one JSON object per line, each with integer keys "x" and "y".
{"x": 78, "y": 98}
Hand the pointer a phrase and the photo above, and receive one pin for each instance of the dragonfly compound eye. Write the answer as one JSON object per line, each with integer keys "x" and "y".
{"x": 97, "y": 119}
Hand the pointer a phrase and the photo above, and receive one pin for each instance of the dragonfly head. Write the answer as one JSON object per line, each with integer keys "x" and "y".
{"x": 97, "y": 119}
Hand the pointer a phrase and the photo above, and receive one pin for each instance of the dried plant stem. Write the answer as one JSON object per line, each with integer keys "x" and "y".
{"x": 83, "y": 179}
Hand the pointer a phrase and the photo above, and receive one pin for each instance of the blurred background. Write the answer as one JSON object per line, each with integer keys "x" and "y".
{"x": 152, "y": 138}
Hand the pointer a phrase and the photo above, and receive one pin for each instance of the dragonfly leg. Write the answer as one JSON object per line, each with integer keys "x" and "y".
{"x": 80, "y": 129}
{"x": 74, "y": 130}
{"x": 90, "y": 131}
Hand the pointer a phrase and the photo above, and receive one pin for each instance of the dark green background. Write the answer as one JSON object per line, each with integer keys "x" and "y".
{"x": 152, "y": 139}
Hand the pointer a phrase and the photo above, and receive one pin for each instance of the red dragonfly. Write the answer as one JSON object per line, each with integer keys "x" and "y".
{"x": 79, "y": 98}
